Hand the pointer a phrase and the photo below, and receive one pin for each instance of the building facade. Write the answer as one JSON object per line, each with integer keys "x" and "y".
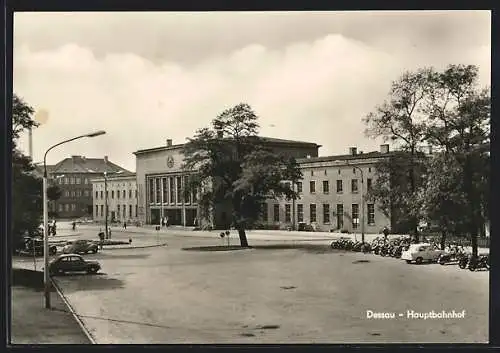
{"x": 72, "y": 175}
{"x": 332, "y": 195}
{"x": 120, "y": 190}
{"x": 161, "y": 181}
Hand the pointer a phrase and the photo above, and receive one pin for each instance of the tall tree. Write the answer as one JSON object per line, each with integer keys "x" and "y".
{"x": 402, "y": 120}
{"x": 26, "y": 188}
{"x": 232, "y": 167}
{"x": 459, "y": 124}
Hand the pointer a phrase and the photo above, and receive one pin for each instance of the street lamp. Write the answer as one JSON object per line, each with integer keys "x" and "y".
{"x": 362, "y": 217}
{"x": 46, "y": 278}
{"x": 106, "y": 198}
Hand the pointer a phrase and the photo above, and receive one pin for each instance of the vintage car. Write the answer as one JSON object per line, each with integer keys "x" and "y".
{"x": 80, "y": 247}
{"x": 421, "y": 252}
{"x": 72, "y": 263}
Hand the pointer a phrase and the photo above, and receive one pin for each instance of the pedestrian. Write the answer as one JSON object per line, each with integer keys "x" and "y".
{"x": 54, "y": 228}
{"x": 195, "y": 221}
{"x": 386, "y": 233}
{"x": 74, "y": 225}
{"x": 163, "y": 222}
{"x": 125, "y": 225}
{"x": 166, "y": 221}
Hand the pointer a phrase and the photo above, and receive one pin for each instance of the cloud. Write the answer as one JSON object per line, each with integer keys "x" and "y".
{"x": 316, "y": 90}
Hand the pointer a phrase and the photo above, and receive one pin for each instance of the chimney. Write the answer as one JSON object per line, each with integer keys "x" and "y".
{"x": 169, "y": 142}
{"x": 105, "y": 159}
{"x": 384, "y": 148}
{"x": 353, "y": 151}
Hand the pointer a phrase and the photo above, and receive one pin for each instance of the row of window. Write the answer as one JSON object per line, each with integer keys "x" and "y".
{"x": 72, "y": 181}
{"x": 118, "y": 193}
{"x": 353, "y": 171}
{"x": 120, "y": 210}
{"x": 169, "y": 190}
{"x": 326, "y": 214}
{"x": 76, "y": 193}
{"x": 326, "y": 186}
{"x": 66, "y": 207}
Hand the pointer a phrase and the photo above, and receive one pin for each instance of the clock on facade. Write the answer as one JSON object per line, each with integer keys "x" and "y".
{"x": 170, "y": 162}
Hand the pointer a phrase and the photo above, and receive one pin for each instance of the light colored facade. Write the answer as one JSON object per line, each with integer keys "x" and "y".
{"x": 160, "y": 181}
{"x": 122, "y": 198}
{"x": 330, "y": 195}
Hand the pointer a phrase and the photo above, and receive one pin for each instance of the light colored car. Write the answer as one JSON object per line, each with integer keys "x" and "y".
{"x": 421, "y": 252}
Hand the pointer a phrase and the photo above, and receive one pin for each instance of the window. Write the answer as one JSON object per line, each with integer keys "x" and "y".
{"x": 124, "y": 194}
{"x": 326, "y": 213}
{"x": 353, "y": 170}
{"x": 179, "y": 190}
{"x": 172, "y": 190}
{"x": 371, "y": 213}
{"x": 339, "y": 171}
{"x": 66, "y": 193}
{"x": 299, "y": 186}
{"x": 97, "y": 194}
{"x": 102, "y": 195}
{"x": 61, "y": 207}
{"x": 354, "y": 185}
{"x": 66, "y": 181}
{"x": 78, "y": 181}
{"x": 86, "y": 193}
{"x": 288, "y": 213}
{"x": 130, "y": 211}
{"x": 136, "y": 209}
{"x": 117, "y": 194}
{"x": 300, "y": 213}
{"x": 264, "y": 212}
{"x": 73, "y": 193}
{"x": 312, "y": 212}
{"x": 151, "y": 191}
{"x": 339, "y": 186}
{"x": 186, "y": 184}
{"x": 369, "y": 169}
{"x": 340, "y": 216}
{"x": 102, "y": 210}
{"x": 355, "y": 215}
{"x": 368, "y": 184}
{"x": 73, "y": 207}
{"x": 118, "y": 210}
{"x": 107, "y": 194}
{"x": 71, "y": 180}
{"x": 112, "y": 194}
{"x": 276, "y": 212}
{"x": 164, "y": 187}
{"x": 124, "y": 211}
{"x": 164, "y": 192}
{"x": 96, "y": 210}
{"x": 326, "y": 187}
{"x": 158, "y": 190}
{"x": 66, "y": 207}
{"x": 135, "y": 193}
{"x": 86, "y": 180}
{"x": 287, "y": 185}
{"x": 325, "y": 172}
{"x": 195, "y": 195}
{"x": 312, "y": 172}
{"x": 312, "y": 187}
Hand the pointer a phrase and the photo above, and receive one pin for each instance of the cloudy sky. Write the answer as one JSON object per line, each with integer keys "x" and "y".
{"x": 145, "y": 77}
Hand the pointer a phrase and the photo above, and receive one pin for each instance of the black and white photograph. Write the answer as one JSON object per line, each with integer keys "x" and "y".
{"x": 251, "y": 177}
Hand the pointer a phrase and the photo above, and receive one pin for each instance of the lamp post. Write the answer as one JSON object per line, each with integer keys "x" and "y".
{"x": 362, "y": 217}
{"x": 46, "y": 278}
{"x": 106, "y": 199}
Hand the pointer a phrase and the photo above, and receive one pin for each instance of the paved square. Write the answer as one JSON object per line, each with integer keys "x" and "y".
{"x": 272, "y": 295}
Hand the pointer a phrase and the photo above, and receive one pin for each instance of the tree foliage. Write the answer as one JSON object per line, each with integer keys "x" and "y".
{"x": 232, "y": 167}
{"x": 26, "y": 188}
{"x": 447, "y": 111}
{"x": 54, "y": 192}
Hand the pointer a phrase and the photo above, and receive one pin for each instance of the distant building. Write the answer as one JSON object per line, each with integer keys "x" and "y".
{"x": 160, "y": 180}
{"x": 121, "y": 197}
{"x": 73, "y": 176}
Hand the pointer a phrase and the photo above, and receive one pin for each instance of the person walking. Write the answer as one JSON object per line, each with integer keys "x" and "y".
{"x": 54, "y": 228}
{"x": 74, "y": 225}
{"x": 125, "y": 225}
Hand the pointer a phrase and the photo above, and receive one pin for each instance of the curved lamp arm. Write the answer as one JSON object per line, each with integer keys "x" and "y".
{"x": 93, "y": 134}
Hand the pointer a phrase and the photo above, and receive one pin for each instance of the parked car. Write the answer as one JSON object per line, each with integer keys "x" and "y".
{"x": 72, "y": 263}
{"x": 34, "y": 244}
{"x": 421, "y": 252}
{"x": 80, "y": 247}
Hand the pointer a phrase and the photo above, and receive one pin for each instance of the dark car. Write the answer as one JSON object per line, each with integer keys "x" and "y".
{"x": 80, "y": 247}
{"x": 30, "y": 245}
{"x": 72, "y": 263}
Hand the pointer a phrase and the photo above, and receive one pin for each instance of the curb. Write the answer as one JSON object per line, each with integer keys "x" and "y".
{"x": 73, "y": 312}
{"x": 138, "y": 247}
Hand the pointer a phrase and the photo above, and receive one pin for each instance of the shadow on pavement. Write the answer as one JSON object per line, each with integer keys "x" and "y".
{"x": 95, "y": 282}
